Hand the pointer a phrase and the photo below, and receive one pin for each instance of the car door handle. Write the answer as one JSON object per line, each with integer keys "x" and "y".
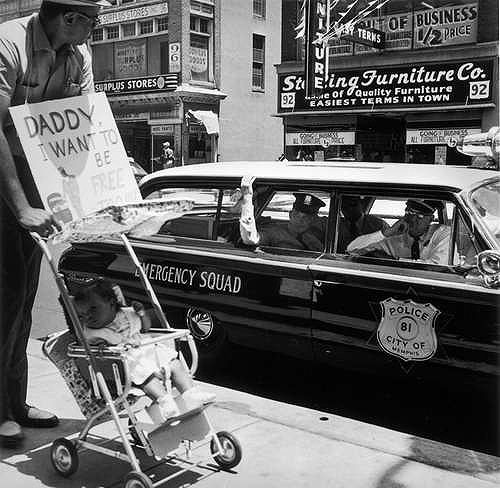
{"x": 320, "y": 283}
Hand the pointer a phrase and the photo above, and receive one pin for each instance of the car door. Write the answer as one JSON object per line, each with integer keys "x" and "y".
{"x": 403, "y": 317}
{"x": 201, "y": 272}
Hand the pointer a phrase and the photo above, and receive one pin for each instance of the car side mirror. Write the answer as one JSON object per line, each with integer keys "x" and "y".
{"x": 488, "y": 264}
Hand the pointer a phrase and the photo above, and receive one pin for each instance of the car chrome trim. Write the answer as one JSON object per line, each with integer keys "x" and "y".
{"x": 396, "y": 277}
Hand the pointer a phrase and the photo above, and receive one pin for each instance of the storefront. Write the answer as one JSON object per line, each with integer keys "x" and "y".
{"x": 389, "y": 113}
{"x": 152, "y": 110}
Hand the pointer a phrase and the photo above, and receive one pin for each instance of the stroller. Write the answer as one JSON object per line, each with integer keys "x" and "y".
{"x": 107, "y": 390}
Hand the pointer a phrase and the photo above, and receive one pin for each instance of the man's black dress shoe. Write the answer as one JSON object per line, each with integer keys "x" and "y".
{"x": 34, "y": 417}
{"x": 11, "y": 435}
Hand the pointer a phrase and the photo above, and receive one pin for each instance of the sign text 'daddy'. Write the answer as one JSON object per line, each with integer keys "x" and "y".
{"x": 464, "y": 83}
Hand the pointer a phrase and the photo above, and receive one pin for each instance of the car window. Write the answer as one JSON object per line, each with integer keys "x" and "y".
{"x": 464, "y": 249}
{"x": 214, "y": 215}
{"x": 294, "y": 220}
{"x": 486, "y": 202}
{"x": 391, "y": 228}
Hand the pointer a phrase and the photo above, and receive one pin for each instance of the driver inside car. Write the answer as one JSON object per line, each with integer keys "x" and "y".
{"x": 412, "y": 237}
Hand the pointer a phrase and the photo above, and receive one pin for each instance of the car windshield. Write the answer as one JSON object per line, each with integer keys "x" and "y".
{"x": 486, "y": 201}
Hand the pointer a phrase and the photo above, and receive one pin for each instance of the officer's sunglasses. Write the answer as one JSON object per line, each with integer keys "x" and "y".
{"x": 95, "y": 21}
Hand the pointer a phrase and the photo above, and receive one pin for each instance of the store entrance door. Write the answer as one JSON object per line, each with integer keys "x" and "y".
{"x": 382, "y": 138}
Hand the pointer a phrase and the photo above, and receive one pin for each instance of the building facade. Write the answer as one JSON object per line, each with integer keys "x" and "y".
{"x": 196, "y": 73}
{"x": 435, "y": 80}
{"x": 250, "y": 50}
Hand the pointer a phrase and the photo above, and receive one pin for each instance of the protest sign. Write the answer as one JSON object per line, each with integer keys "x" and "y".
{"x": 76, "y": 155}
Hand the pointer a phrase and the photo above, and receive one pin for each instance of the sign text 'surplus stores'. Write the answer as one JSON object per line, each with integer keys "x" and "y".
{"x": 427, "y": 85}
{"x": 167, "y": 82}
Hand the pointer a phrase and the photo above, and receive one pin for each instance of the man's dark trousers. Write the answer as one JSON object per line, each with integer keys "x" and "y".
{"x": 20, "y": 259}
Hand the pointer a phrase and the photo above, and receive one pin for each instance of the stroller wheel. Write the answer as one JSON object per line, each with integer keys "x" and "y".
{"x": 64, "y": 457}
{"x": 231, "y": 455}
{"x": 135, "y": 479}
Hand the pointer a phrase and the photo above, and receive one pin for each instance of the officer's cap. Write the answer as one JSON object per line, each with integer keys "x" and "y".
{"x": 82, "y": 3}
{"x": 307, "y": 203}
{"x": 420, "y": 206}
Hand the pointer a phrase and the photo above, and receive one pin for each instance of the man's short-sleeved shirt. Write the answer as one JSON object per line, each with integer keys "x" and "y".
{"x": 31, "y": 71}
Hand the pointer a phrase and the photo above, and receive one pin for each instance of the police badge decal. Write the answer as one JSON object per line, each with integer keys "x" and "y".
{"x": 406, "y": 329}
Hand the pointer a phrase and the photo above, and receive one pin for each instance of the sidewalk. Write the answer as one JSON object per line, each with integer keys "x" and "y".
{"x": 283, "y": 445}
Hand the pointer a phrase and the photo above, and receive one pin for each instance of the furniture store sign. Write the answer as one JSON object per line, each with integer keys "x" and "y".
{"x": 143, "y": 84}
{"x": 325, "y": 139}
{"x": 76, "y": 155}
{"x": 463, "y": 84}
{"x": 437, "y": 136}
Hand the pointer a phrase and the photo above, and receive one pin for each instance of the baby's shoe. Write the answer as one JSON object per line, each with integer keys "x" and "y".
{"x": 195, "y": 398}
{"x": 163, "y": 409}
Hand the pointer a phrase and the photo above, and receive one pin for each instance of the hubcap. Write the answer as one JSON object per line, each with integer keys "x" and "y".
{"x": 62, "y": 458}
{"x": 228, "y": 449}
{"x": 200, "y": 323}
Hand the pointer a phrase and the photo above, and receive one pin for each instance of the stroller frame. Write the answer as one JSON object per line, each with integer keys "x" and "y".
{"x": 163, "y": 441}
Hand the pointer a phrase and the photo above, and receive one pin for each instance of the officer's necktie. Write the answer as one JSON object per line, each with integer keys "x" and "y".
{"x": 415, "y": 249}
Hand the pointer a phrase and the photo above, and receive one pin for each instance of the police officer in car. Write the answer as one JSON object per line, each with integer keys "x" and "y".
{"x": 304, "y": 229}
{"x": 412, "y": 237}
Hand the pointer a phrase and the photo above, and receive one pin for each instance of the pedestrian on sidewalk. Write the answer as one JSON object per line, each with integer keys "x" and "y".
{"x": 42, "y": 57}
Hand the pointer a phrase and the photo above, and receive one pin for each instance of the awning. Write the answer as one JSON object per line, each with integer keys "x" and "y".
{"x": 208, "y": 118}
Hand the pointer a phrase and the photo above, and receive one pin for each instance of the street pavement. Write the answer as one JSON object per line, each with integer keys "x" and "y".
{"x": 283, "y": 444}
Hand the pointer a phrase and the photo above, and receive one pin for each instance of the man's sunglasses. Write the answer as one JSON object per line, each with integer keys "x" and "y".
{"x": 95, "y": 21}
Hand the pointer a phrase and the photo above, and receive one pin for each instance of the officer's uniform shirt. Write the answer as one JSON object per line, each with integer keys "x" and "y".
{"x": 434, "y": 244}
{"x": 278, "y": 235}
{"x": 366, "y": 224}
{"x": 31, "y": 71}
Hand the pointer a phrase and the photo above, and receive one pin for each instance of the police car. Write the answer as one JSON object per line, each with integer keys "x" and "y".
{"x": 364, "y": 311}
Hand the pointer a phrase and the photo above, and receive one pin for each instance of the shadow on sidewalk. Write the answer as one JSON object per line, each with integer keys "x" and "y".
{"x": 30, "y": 465}
{"x": 442, "y": 456}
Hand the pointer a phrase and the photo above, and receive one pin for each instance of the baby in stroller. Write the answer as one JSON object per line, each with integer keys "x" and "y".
{"x": 152, "y": 367}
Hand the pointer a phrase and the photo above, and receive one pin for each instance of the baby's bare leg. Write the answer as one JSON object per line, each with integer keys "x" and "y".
{"x": 180, "y": 376}
{"x": 154, "y": 388}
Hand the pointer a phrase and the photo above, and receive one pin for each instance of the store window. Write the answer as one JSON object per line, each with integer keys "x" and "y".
{"x": 200, "y": 147}
{"x": 162, "y": 24}
{"x": 199, "y": 56}
{"x": 259, "y": 8}
{"x": 128, "y": 30}
{"x": 258, "y": 59}
{"x": 201, "y": 49}
{"x": 97, "y": 35}
{"x": 146, "y": 27}
{"x": 113, "y": 32}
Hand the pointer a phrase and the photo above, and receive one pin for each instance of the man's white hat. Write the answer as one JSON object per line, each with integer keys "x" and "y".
{"x": 82, "y": 3}
{"x": 166, "y": 143}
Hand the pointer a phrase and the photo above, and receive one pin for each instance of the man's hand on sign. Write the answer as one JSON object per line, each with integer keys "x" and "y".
{"x": 38, "y": 220}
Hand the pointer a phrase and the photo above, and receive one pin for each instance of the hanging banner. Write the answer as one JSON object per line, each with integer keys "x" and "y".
{"x": 437, "y": 136}
{"x": 398, "y": 30}
{"x": 76, "y": 155}
{"x": 316, "y": 58}
{"x": 325, "y": 139}
{"x": 367, "y": 36}
{"x": 445, "y": 26}
{"x": 459, "y": 84}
